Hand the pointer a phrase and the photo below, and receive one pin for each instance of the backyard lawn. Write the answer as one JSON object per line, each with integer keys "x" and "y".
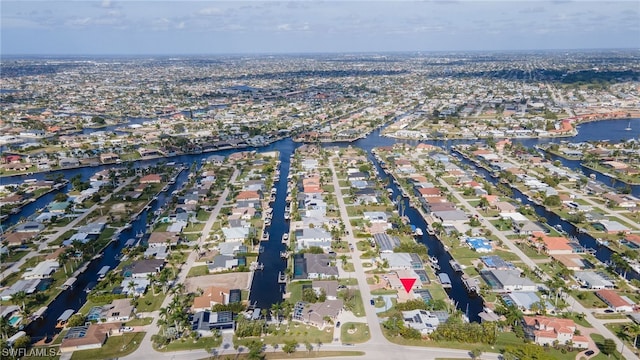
{"x": 115, "y": 347}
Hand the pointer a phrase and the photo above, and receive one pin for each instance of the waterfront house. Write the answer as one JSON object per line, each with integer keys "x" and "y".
{"x": 329, "y": 287}
{"x": 141, "y": 268}
{"x": 118, "y": 310}
{"x": 616, "y": 302}
{"x": 163, "y": 238}
{"x": 212, "y": 295}
{"x": 399, "y": 261}
{"x": 309, "y": 237}
{"x": 553, "y": 245}
{"x": 87, "y": 337}
{"x": 549, "y": 331}
{"x": 386, "y": 243}
{"x": 109, "y": 157}
{"x": 29, "y": 227}
{"x": 593, "y": 280}
{"x": 619, "y": 200}
{"x": 249, "y": 196}
{"x": 507, "y": 280}
{"x": 525, "y": 301}
{"x": 15, "y": 239}
{"x": 422, "y": 320}
{"x": 236, "y": 234}
{"x": 610, "y": 226}
{"x": 318, "y": 266}
{"x": 223, "y": 263}
{"x": 317, "y": 314}
{"x": 26, "y": 286}
{"x": 43, "y": 270}
{"x": 151, "y": 179}
{"x": 135, "y": 287}
{"x": 205, "y": 322}
{"x": 232, "y": 248}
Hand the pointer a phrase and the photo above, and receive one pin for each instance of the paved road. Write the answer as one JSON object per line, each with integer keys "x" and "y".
{"x": 377, "y": 348}
{"x": 372, "y": 319}
{"x": 50, "y": 238}
{"x": 372, "y": 351}
{"x": 580, "y": 195}
{"x": 596, "y": 323}
{"x": 146, "y": 350}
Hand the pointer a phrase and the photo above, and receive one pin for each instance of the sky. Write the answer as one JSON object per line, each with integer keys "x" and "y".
{"x": 236, "y": 27}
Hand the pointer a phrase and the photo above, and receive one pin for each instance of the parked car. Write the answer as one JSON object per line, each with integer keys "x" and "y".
{"x": 126, "y": 329}
{"x": 373, "y": 302}
{"x": 338, "y": 324}
{"x": 589, "y": 353}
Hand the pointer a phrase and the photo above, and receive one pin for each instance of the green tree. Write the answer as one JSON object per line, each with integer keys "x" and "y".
{"x": 476, "y": 353}
{"x": 255, "y": 350}
{"x": 608, "y": 347}
{"x": 290, "y": 346}
{"x": 76, "y": 320}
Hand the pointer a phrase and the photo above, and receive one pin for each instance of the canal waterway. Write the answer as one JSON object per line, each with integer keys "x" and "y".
{"x": 602, "y": 253}
{"x": 265, "y": 290}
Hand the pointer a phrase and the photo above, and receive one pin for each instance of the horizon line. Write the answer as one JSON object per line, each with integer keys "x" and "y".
{"x": 319, "y": 52}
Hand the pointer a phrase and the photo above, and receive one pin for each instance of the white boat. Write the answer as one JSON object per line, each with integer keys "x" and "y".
{"x": 628, "y": 128}
{"x": 285, "y": 238}
{"x": 419, "y": 232}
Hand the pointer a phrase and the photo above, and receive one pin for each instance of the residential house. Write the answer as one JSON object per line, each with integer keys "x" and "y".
{"x": 549, "y": 331}
{"x": 421, "y": 320}
{"x": 507, "y": 280}
{"x": 163, "y": 238}
{"x": 223, "y": 263}
{"x": 616, "y": 302}
{"x": 142, "y": 268}
{"x": 205, "y": 322}
{"x": 43, "y": 270}
{"x": 212, "y": 295}
{"x": 309, "y": 237}
{"x": 118, "y": 310}
{"x": 318, "y": 266}
{"x": 593, "y": 280}
{"x": 399, "y": 261}
{"x": 151, "y": 179}
{"x": 87, "y": 337}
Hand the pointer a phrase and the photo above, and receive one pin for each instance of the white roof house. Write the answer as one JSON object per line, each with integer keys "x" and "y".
{"x": 43, "y": 270}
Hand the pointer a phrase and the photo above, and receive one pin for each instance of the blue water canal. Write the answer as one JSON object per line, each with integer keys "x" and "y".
{"x": 265, "y": 289}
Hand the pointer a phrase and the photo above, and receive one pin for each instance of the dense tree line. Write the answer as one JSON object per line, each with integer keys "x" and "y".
{"x": 457, "y": 330}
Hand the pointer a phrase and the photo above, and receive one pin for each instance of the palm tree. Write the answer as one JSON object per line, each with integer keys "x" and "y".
{"x": 19, "y": 298}
{"x": 633, "y": 329}
{"x": 151, "y": 277}
{"x": 132, "y": 286}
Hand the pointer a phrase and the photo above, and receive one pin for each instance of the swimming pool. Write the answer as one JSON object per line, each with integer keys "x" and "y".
{"x": 14, "y": 320}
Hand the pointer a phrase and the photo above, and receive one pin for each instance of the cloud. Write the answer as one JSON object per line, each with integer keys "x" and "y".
{"x": 210, "y": 11}
{"x": 533, "y": 10}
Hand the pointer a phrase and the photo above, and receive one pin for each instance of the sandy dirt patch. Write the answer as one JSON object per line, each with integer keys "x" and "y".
{"x": 230, "y": 280}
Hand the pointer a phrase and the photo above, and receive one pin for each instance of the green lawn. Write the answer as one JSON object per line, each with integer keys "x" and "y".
{"x": 138, "y": 322}
{"x": 189, "y": 344}
{"x": 192, "y": 227}
{"x": 355, "y": 304}
{"x": 589, "y": 299}
{"x": 149, "y": 302}
{"x": 198, "y": 271}
{"x": 295, "y": 288}
{"x": 202, "y": 215}
{"x": 115, "y": 347}
{"x": 296, "y": 331}
{"x": 599, "y": 340}
{"x": 354, "y": 333}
